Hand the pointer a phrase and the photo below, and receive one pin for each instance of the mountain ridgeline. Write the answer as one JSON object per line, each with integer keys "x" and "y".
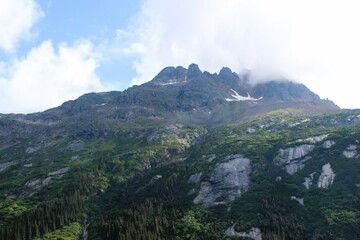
{"x": 188, "y": 155}
{"x": 193, "y": 97}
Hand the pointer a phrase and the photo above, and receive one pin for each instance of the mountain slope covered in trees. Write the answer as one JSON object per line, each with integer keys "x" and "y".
{"x": 188, "y": 155}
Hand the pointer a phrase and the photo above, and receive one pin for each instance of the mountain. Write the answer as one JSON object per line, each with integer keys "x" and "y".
{"x": 188, "y": 155}
{"x": 190, "y": 96}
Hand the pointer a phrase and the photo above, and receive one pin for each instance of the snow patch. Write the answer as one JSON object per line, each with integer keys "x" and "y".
{"x": 169, "y": 83}
{"x": 172, "y": 82}
{"x": 238, "y": 98}
{"x": 99, "y": 105}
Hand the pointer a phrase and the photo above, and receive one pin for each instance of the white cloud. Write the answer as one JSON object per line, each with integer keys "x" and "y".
{"x": 47, "y": 77}
{"x": 315, "y": 42}
{"x": 16, "y": 19}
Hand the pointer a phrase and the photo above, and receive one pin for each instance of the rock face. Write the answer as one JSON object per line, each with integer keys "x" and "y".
{"x": 327, "y": 177}
{"x": 195, "y": 178}
{"x": 35, "y": 185}
{"x": 351, "y": 151}
{"x": 157, "y": 177}
{"x": 250, "y": 130}
{"x": 328, "y": 144}
{"x": 59, "y": 172}
{"x": 177, "y": 132}
{"x": 315, "y": 139}
{"x": 308, "y": 180}
{"x": 294, "y": 152}
{"x": 299, "y": 200}
{"x": 209, "y": 158}
{"x": 5, "y": 166}
{"x": 293, "y": 159}
{"x": 229, "y": 179}
{"x": 32, "y": 149}
{"x": 254, "y": 233}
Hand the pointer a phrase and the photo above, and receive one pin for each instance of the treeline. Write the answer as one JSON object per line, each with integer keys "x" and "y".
{"x": 153, "y": 208}
{"x": 143, "y": 207}
{"x": 147, "y": 221}
{"x": 282, "y": 222}
{"x": 46, "y": 217}
{"x": 50, "y": 215}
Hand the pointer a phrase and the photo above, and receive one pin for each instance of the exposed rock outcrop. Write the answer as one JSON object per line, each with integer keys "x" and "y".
{"x": 328, "y": 144}
{"x": 351, "y": 151}
{"x": 59, "y": 172}
{"x": 209, "y": 158}
{"x": 299, "y": 200}
{"x": 308, "y": 180}
{"x": 294, "y": 152}
{"x": 293, "y": 159}
{"x": 177, "y": 132}
{"x": 229, "y": 179}
{"x": 195, "y": 178}
{"x": 207, "y": 196}
{"x": 157, "y": 177}
{"x": 250, "y": 130}
{"x": 327, "y": 177}
{"x": 5, "y": 166}
{"x": 191, "y": 191}
{"x": 35, "y": 185}
{"x": 315, "y": 139}
{"x": 254, "y": 233}
{"x": 32, "y": 149}
{"x": 76, "y": 145}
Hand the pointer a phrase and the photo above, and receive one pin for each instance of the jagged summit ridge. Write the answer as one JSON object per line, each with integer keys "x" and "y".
{"x": 190, "y": 96}
{"x": 227, "y": 82}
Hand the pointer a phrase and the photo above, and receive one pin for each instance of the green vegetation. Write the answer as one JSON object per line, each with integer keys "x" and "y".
{"x": 69, "y": 232}
{"x": 133, "y": 184}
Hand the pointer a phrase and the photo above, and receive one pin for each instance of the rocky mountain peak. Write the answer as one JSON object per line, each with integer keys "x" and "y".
{"x": 170, "y": 74}
{"x": 232, "y": 79}
{"x": 150, "y": 153}
{"x": 194, "y": 71}
{"x": 225, "y": 71}
{"x": 183, "y": 95}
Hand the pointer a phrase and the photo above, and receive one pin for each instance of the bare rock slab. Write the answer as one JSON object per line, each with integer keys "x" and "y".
{"x": 254, "y": 233}
{"x": 293, "y": 159}
{"x": 327, "y": 177}
{"x": 229, "y": 179}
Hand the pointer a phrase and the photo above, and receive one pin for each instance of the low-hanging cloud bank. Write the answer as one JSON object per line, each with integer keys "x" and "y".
{"x": 314, "y": 42}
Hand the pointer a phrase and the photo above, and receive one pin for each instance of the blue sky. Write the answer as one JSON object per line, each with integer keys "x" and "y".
{"x": 52, "y": 51}
{"x": 69, "y": 21}
{"x": 49, "y": 27}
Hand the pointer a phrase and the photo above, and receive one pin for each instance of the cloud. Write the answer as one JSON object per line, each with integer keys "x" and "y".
{"x": 47, "y": 77}
{"x": 16, "y": 19}
{"x": 314, "y": 42}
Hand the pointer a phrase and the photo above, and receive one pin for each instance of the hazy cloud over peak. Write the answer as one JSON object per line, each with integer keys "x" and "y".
{"x": 314, "y": 42}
